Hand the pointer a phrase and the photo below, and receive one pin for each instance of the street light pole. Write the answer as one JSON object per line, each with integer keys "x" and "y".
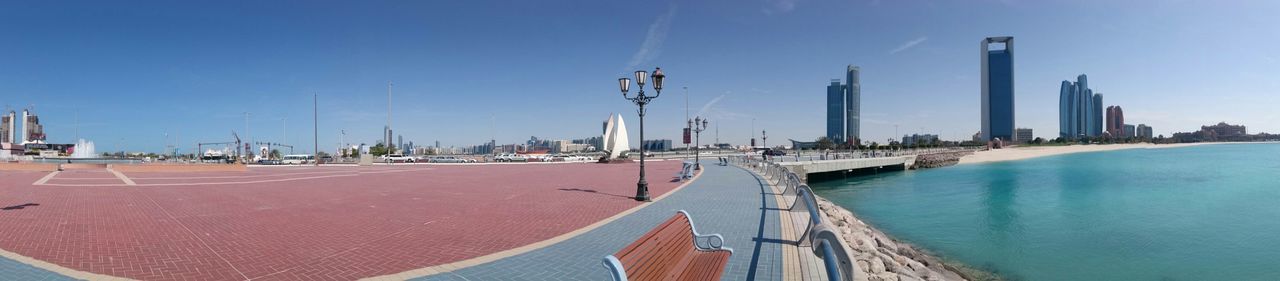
{"x": 698, "y": 124}
{"x": 642, "y": 186}
{"x": 686, "y": 116}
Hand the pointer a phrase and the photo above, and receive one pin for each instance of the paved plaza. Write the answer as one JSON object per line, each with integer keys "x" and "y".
{"x": 331, "y": 223}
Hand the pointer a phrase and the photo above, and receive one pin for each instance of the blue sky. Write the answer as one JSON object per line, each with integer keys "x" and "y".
{"x": 134, "y": 71}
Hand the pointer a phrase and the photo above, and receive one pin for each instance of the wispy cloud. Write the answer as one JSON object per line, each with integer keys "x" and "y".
{"x": 652, "y": 45}
{"x": 712, "y": 111}
{"x": 779, "y": 6}
{"x": 908, "y": 45}
{"x": 709, "y": 104}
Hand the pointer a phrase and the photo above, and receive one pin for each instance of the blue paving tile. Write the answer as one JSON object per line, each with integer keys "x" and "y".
{"x": 14, "y": 270}
{"x": 726, "y": 200}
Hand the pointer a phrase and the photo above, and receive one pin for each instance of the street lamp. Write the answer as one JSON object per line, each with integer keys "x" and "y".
{"x": 642, "y": 186}
{"x": 698, "y": 125}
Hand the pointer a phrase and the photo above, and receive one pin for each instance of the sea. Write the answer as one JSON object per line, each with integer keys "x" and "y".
{"x": 1208, "y": 212}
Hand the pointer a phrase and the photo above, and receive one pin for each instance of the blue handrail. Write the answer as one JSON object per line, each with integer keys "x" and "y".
{"x": 829, "y": 259}
{"x": 819, "y": 234}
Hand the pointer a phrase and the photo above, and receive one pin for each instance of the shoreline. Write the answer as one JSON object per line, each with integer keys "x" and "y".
{"x": 881, "y": 257}
{"x": 1029, "y": 152}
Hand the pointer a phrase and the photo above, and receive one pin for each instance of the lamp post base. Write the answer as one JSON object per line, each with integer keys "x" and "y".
{"x": 642, "y": 191}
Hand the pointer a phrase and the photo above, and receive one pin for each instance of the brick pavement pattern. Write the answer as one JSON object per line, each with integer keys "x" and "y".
{"x": 302, "y": 223}
{"x": 725, "y": 200}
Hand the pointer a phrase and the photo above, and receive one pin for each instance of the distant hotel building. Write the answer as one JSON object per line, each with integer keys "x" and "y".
{"x": 1115, "y": 120}
{"x": 1129, "y": 131}
{"x": 1079, "y": 110}
{"x": 918, "y": 139}
{"x": 1022, "y": 135}
{"x": 1144, "y": 131}
{"x": 997, "y": 90}
{"x": 1225, "y": 130}
{"x": 844, "y": 107}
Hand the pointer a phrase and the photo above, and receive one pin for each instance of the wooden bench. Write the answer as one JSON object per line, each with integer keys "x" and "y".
{"x": 671, "y": 251}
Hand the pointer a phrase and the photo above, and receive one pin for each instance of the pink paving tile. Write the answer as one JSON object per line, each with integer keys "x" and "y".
{"x": 318, "y": 223}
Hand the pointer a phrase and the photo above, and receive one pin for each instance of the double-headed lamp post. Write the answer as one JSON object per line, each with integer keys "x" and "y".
{"x": 642, "y": 186}
{"x": 698, "y": 125}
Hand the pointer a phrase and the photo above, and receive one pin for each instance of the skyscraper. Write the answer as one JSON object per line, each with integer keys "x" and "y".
{"x": 1080, "y": 110}
{"x": 1115, "y": 120}
{"x": 1065, "y": 107}
{"x": 835, "y": 111}
{"x": 997, "y": 89}
{"x": 853, "y": 104}
{"x": 1096, "y": 129}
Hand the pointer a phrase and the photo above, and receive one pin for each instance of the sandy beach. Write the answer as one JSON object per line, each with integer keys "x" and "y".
{"x": 1028, "y": 152}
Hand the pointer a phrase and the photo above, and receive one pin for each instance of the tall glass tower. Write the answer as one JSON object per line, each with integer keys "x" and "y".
{"x": 853, "y": 104}
{"x": 1096, "y": 130}
{"x": 1080, "y": 111}
{"x": 997, "y": 90}
{"x": 835, "y": 111}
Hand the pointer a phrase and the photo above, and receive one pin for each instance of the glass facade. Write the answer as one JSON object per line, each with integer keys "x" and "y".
{"x": 1080, "y": 111}
{"x": 853, "y": 103}
{"x": 997, "y": 90}
{"x": 835, "y": 112}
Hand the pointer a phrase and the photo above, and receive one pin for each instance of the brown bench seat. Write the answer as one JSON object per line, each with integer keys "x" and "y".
{"x": 671, "y": 251}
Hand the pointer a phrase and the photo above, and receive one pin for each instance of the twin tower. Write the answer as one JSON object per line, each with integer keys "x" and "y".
{"x": 844, "y": 106}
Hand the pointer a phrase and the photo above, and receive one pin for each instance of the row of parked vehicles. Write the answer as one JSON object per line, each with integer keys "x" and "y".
{"x": 398, "y": 158}
{"x": 511, "y": 157}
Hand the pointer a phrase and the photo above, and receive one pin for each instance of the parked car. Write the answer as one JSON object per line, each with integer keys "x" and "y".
{"x": 774, "y": 152}
{"x": 510, "y": 157}
{"x": 269, "y": 162}
{"x": 446, "y": 159}
{"x": 393, "y": 158}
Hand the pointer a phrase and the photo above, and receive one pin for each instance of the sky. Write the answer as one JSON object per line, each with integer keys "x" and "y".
{"x": 138, "y": 75}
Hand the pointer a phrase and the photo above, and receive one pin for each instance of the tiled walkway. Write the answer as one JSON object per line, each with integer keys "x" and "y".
{"x": 725, "y": 200}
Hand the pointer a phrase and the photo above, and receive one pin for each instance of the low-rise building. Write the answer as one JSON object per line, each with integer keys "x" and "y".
{"x": 657, "y": 145}
{"x": 1022, "y": 135}
{"x": 1144, "y": 131}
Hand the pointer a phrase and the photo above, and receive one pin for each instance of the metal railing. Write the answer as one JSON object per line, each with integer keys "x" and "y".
{"x": 814, "y": 155}
{"x": 817, "y": 233}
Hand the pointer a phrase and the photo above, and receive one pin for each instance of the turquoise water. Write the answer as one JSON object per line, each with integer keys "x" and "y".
{"x": 1194, "y": 213}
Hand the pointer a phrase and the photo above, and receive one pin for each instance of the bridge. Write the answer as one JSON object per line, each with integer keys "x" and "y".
{"x": 806, "y": 168}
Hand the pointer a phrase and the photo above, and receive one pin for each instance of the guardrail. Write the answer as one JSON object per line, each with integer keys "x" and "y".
{"x": 813, "y": 155}
{"x": 819, "y": 234}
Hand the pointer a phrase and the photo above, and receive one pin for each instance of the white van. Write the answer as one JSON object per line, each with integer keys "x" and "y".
{"x": 298, "y": 159}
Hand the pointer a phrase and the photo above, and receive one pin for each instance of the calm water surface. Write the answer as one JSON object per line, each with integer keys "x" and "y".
{"x": 1195, "y": 213}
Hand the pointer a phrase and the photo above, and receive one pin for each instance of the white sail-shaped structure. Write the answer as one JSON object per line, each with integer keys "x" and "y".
{"x": 615, "y": 137}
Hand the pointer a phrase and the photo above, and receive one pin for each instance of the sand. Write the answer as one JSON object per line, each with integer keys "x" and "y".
{"x": 1028, "y": 152}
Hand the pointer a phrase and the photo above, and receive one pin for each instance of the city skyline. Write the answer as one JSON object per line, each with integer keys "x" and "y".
{"x": 205, "y": 66}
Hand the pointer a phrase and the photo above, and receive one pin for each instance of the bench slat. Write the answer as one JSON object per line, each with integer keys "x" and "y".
{"x": 668, "y": 247}
{"x": 668, "y": 252}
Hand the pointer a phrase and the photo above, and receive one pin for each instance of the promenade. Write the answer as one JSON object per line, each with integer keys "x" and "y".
{"x": 724, "y": 199}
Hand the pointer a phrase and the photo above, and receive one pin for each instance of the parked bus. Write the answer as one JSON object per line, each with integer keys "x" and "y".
{"x": 298, "y": 159}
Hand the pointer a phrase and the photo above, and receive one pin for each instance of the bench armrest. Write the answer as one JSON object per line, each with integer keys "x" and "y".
{"x": 710, "y": 245}
{"x": 616, "y": 272}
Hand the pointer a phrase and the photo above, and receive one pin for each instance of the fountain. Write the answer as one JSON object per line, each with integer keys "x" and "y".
{"x": 84, "y": 149}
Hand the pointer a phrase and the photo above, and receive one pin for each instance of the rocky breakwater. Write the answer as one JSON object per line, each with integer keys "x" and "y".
{"x": 881, "y": 258}
{"x": 940, "y": 159}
